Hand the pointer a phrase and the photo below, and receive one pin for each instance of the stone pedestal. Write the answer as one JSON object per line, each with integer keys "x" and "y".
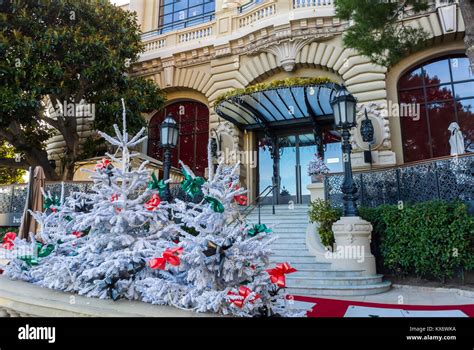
{"x": 316, "y": 190}
{"x": 352, "y": 249}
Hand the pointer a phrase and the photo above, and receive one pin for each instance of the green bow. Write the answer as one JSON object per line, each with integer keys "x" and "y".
{"x": 192, "y": 186}
{"x": 30, "y": 260}
{"x": 156, "y": 184}
{"x": 215, "y": 204}
{"x": 44, "y": 250}
{"x": 258, "y": 228}
{"x": 51, "y": 201}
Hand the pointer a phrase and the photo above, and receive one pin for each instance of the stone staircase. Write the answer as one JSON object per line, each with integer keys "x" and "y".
{"x": 313, "y": 278}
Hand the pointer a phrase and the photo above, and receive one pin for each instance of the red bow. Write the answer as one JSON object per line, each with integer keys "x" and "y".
{"x": 243, "y": 294}
{"x": 8, "y": 240}
{"x": 103, "y": 164}
{"x": 170, "y": 256}
{"x": 153, "y": 203}
{"x": 114, "y": 198}
{"x": 77, "y": 234}
{"x": 277, "y": 275}
{"x": 240, "y": 198}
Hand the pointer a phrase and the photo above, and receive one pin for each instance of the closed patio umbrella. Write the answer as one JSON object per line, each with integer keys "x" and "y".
{"x": 456, "y": 140}
{"x": 28, "y": 224}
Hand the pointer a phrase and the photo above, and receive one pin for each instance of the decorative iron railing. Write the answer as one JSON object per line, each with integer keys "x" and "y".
{"x": 445, "y": 179}
{"x": 13, "y": 197}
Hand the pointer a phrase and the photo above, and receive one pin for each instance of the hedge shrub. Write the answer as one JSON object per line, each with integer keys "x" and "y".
{"x": 320, "y": 211}
{"x": 430, "y": 239}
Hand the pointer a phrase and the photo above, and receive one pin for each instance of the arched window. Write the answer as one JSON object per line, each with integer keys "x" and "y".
{"x": 442, "y": 90}
{"x": 193, "y": 120}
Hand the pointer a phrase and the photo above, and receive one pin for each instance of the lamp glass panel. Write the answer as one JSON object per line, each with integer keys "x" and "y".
{"x": 351, "y": 112}
{"x": 343, "y": 111}
{"x": 165, "y": 135}
{"x": 337, "y": 114}
{"x": 174, "y": 136}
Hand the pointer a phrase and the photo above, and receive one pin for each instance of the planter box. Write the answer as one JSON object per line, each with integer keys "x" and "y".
{"x": 22, "y": 299}
{"x": 317, "y": 178}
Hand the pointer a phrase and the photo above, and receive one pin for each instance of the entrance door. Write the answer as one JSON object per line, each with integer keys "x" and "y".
{"x": 296, "y": 151}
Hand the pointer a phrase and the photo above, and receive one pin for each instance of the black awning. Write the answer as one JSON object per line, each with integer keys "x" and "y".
{"x": 279, "y": 107}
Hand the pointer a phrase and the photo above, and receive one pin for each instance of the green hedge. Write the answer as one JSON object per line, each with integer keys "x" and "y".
{"x": 430, "y": 239}
{"x": 320, "y": 211}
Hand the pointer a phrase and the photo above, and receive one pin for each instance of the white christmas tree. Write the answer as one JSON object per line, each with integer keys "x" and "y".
{"x": 122, "y": 241}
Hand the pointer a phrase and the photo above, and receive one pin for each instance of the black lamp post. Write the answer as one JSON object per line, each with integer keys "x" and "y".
{"x": 169, "y": 131}
{"x": 344, "y": 107}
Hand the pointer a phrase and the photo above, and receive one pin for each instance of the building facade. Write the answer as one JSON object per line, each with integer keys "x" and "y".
{"x": 196, "y": 50}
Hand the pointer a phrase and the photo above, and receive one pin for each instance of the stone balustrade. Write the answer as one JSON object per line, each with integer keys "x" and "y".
{"x": 259, "y": 13}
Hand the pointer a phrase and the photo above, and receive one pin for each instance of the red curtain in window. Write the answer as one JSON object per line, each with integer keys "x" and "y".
{"x": 193, "y": 121}
{"x": 444, "y": 91}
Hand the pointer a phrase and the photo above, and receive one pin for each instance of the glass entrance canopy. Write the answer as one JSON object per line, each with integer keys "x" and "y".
{"x": 275, "y": 107}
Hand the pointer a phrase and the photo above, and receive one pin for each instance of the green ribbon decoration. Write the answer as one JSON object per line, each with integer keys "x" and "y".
{"x": 192, "y": 186}
{"x": 156, "y": 184}
{"x": 215, "y": 204}
{"x": 49, "y": 202}
{"x": 29, "y": 260}
{"x": 258, "y": 228}
{"x": 44, "y": 250}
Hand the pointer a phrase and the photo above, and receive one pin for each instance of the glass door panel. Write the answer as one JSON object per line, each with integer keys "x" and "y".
{"x": 265, "y": 166}
{"x": 288, "y": 170}
{"x": 307, "y": 150}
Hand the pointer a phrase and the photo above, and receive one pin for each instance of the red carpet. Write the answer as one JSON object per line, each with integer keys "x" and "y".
{"x": 338, "y": 308}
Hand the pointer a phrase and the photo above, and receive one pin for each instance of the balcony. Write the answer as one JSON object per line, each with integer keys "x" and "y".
{"x": 255, "y": 19}
{"x": 240, "y": 21}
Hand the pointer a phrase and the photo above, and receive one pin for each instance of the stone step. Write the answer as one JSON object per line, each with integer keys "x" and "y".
{"x": 293, "y": 252}
{"x": 290, "y": 240}
{"x": 295, "y": 230}
{"x": 303, "y": 265}
{"x": 285, "y": 226}
{"x": 286, "y": 215}
{"x": 288, "y": 235}
{"x": 280, "y": 216}
{"x": 274, "y": 222}
{"x": 309, "y": 282}
{"x": 341, "y": 290}
{"x": 292, "y": 259}
{"x": 308, "y": 272}
{"x": 289, "y": 244}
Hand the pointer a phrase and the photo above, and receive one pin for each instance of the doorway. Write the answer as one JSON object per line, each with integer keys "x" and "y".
{"x": 295, "y": 151}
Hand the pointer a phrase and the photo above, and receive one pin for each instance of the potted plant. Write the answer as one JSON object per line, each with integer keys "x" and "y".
{"x": 317, "y": 169}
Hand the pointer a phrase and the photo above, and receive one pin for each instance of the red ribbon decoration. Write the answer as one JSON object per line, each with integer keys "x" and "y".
{"x": 103, "y": 164}
{"x": 240, "y": 199}
{"x": 78, "y": 234}
{"x": 170, "y": 256}
{"x": 153, "y": 203}
{"x": 8, "y": 240}
{"x": 243, "y": 294}
{"x": 277, "y": 275}
{"x": 114, "y": 198}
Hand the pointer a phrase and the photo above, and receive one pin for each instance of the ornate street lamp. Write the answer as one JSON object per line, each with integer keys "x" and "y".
{"x": 344, "y": 107}
{"x": 169, "y": 131}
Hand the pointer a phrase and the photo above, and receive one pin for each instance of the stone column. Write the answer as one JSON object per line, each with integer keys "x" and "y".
{"x": 352, "y": 249}
{"x": 316, "y": 190}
